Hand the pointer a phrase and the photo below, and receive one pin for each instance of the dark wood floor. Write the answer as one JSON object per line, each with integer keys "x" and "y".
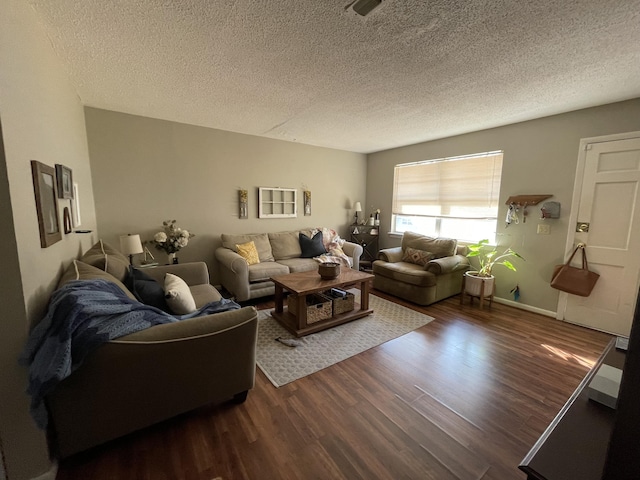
{"x": 464, "y": 397}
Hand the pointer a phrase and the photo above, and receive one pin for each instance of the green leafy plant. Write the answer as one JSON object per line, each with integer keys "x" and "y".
{"x": 489, "y": 257}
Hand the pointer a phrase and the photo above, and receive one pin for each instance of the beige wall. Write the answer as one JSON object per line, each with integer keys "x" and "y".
{"x": 42, "y": 119}
{"x": 146, "y": 171}
{"x": 540, "y": 157}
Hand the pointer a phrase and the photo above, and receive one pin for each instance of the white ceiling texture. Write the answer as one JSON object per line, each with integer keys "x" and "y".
{"x": 314, "y": 72}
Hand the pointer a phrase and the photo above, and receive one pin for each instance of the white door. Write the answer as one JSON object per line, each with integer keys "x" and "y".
{"x": 606, "y": 207}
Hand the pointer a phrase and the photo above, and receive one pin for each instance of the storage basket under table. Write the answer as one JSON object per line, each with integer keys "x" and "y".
{"x": 342, "y": 304}
{"x": 319, "y": 307}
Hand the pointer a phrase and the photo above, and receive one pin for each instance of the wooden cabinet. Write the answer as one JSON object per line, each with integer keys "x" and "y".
{"x": 574, "y": 446}
{"x": 366, "y": 236}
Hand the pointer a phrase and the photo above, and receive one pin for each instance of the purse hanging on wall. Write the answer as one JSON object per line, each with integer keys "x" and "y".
{"x": 578, "y": 281}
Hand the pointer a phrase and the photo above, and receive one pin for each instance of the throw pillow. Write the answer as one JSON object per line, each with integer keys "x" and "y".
{"x": 146, "y": 289}
{"x": 106, "y": 258}
{"x": 440, "y": 247}
{"x": 418, "y": 257}
{"x": 82, "y": 271}
{"x": 249, "y": 252}
{"x": 263, "y": 246}
{"x": 285, "y": 245}
{"x": 311, "y": 247}
{"x": 178, "y": 295}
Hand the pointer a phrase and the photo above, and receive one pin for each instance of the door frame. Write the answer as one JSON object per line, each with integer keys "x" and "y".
{"x": 575, "y": 200}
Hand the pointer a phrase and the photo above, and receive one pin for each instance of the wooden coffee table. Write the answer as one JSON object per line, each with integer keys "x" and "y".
{"x": 306, "y": 283}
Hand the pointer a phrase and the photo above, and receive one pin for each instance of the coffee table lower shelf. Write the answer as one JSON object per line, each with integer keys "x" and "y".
{"x": 290, "y": 322}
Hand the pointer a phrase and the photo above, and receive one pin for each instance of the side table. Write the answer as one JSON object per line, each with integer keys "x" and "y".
{"x": 367, "y": 237}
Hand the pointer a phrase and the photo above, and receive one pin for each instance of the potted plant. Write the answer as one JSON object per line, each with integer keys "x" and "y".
{"x": 481, "y": 282}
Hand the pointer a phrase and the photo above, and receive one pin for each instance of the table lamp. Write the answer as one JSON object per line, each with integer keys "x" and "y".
{"x": 130, "y": 245}
{"x": 358, "y": 208}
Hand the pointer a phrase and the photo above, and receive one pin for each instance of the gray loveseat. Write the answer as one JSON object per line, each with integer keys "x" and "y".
{"x": 279, "y": 254}
{"x": 143, "y": 378}
{"x": 423, "y": 270}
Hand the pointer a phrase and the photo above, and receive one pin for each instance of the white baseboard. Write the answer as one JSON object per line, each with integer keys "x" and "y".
{"x": 49, "y": 475}
{"x": 522, "y": 306}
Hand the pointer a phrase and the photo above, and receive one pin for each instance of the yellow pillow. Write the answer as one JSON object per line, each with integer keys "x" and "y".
{"x": 248, "y": 252}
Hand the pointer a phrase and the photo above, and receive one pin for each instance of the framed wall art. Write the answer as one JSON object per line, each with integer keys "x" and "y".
{"x": 76, "y": 206}
{"x": 243, "y": 197}
{"x": 65, "y": 181}
{"x": 66, "y": 220}
{"x": 277, "y": 202}
{"x": 307, "y": 202}
{"x": 44, "y": 180}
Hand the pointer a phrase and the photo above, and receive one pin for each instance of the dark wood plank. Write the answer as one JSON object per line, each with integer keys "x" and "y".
{"x": 464, "y": 397}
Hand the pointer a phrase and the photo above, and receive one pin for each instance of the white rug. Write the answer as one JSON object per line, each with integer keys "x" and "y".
{"x": 282, "y": 364}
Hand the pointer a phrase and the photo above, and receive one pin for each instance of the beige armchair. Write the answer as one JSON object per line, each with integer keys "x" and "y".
{"x": 423, "y": 270}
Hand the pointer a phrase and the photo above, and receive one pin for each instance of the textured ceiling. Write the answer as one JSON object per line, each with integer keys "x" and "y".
{"x": 315, "y": 73}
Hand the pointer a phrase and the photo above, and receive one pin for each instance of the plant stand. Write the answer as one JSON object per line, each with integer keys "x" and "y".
{"x": 482, "y": 295}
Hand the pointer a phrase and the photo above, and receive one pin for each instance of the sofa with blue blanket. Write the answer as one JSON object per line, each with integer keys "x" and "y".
{"x": 134, "y": 364}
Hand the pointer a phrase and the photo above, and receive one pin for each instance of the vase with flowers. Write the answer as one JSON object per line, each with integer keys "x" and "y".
{"x": 171, "y": 239}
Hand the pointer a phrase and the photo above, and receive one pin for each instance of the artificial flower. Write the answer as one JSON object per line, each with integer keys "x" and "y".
{"x": 173, "y": 238}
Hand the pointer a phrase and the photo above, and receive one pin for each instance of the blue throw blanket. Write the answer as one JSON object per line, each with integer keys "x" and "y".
{"x": 83, "y": 315}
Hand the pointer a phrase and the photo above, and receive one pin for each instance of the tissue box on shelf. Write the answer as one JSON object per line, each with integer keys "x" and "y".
{"x": 605, "y": 385}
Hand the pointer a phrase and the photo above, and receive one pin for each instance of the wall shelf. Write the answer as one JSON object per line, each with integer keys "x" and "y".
{"x": 527, "y": 199}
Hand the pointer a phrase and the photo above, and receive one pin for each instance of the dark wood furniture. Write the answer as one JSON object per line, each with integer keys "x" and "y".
{"x": 574, "y": 445}
{"x": 623, "y": 458}
{"x": 366, "y": 236}
{"x": 305, "y": 283}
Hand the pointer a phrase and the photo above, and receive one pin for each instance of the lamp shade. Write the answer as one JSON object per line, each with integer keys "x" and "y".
{"x": 130, "y": 244}
{"x": 357, "y": 207}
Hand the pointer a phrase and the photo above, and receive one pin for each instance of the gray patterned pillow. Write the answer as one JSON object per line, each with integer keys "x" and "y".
{"x": 419, "y": 257}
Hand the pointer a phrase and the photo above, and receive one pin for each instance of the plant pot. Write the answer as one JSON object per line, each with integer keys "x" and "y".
{"x": 477, "y": 286}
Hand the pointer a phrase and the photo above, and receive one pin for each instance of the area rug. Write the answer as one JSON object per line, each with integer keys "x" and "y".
{"x": 283, "y": 364}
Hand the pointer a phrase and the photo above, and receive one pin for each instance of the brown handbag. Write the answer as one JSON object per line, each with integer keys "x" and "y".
{"x": 578, "y": 281}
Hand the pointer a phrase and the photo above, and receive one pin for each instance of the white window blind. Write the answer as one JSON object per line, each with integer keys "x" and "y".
{"x": 460, "y": 187}
{"x": 450, "y": 197}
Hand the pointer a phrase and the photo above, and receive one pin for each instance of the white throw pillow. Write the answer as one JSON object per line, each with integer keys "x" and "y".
{"x": 178, "y": 295}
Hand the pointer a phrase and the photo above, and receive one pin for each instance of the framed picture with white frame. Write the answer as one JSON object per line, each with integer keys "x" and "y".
{"x": 75, "y": 206}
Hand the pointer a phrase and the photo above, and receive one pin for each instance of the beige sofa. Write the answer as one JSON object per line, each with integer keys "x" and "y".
{"x": 423, "y": 270}
{"x": 140, "y": 379}
{"x": 279, "y": 254}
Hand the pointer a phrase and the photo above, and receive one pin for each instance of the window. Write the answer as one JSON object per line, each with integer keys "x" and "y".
{"x": 453, "y": 197}
{"x": 277, "y": 202}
